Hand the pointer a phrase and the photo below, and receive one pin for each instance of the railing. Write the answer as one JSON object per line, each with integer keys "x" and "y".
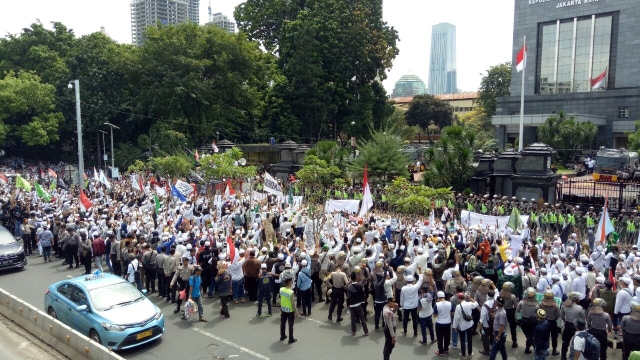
{"x": 620, "y": 195}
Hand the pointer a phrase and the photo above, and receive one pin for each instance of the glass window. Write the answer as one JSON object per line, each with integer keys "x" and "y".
{"x": 559, "y": 70}
{"x": 119, "y": 294}
{"x": 623, "y": 112}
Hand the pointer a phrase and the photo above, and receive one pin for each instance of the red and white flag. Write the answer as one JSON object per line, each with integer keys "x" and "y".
{"x": 229, "y": 192}
{"x": 52, "y": 173}
{"x": 84, "y": 201}
{"x": 367, "y": 200}
{"x": 214, "y": 147}
{"x": 196, "y": 155}
{"x": 521, "y": 58}
{"x": 4, "y": 179}
{"x": 599, "y": 81}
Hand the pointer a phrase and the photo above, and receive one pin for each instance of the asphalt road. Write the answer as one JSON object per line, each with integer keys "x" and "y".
{"x": 243, "y": 336}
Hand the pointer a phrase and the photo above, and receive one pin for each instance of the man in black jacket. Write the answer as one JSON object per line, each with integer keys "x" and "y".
{"x": 355, "y": 298}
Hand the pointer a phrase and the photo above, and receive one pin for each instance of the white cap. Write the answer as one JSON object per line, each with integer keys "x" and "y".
{"x": 189, "y": 247}
{"x": 409, "y": 278}
{"x": 627, "y": 280}
{"x": 281, "y": 257}
{"x": 207, "y": 243}
{"x": 303, "y": 262}
{"x": 264, "y": 250}
{"x": 420, "y": 251}
{"x": 600, "y": 279}
{"x": 185, "y": 256}
{"x": 440, "y": 294}
{"x": 263, "y": 266}
{"x": 288, "y": 264}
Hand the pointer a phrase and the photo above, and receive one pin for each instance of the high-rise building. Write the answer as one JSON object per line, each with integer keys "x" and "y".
{"x": 166, "y": 12}
{"x": 443, "y": 78}
{"x": 222, "y": 21}
{"x": 580, "y": 60}
{"x": 408, "y": 85}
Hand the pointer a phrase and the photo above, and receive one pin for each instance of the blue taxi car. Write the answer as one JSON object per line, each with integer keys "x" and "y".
{"x": 107, "y": 308}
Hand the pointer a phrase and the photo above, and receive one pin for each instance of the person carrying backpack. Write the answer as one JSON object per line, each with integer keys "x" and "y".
{"x": 583, "y": 344}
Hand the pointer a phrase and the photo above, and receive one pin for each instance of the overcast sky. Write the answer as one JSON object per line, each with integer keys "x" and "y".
{"x": 484, "y": 28}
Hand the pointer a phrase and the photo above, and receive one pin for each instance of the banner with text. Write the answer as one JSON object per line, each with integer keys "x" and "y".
{"x": 469, "y": 218}
{"x": 271, "y": 185}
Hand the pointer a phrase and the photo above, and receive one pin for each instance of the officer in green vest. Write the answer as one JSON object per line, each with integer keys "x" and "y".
{"x": 288, "y": 310}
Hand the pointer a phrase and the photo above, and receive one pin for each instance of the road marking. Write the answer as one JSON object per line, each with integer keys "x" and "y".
{"x": 232, "y": 344}
{"x": 316, "y": 321}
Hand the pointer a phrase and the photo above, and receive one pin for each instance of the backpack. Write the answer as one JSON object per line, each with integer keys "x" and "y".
{"x": 591, "y": 346}
{"x": 491, "y": 313}
{"x": 464, "y": 314}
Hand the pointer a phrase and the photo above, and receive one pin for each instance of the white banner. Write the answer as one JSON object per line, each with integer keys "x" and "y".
{"x": 350, "y": 206}
{"x": 258, "y": 196}
{"x": 271, "y": 185}
{"x": 184, "y": 187}
{"x": 471, "y": 218}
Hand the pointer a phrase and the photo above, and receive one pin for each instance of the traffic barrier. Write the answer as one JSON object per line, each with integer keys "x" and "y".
{"x": 59, "y": 336}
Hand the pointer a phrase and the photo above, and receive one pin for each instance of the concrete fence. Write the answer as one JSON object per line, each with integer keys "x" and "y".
{"x": 51, "y": 331}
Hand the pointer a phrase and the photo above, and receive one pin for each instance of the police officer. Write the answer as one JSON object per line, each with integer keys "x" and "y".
{"x": 570, "y": 313}
{"x": 510, "y": 302}
{"x": 526, "y": 309}
{"x": 288, "y": 310}
{"x": 552, "y": 311}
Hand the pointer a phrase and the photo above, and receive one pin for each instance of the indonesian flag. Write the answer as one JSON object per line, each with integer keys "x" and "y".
{"x": 196, "y": 155}
{"x": 52, "y": 173}
{"x": 367, "y": 200}
{"x": 604, "y": 226}
{"x": 599, "y": 81}
{"x": 229, "y": 192}
{"x": 231, "y": 249}
{"x": 84, "y": 201}
{"x": 3, "y": 178}
{"x": 214, "y": 147}
{"x": 521, "y": 58}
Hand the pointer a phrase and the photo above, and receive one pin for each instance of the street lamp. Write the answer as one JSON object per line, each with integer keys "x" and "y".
{"x": 76, "y": 84}
{"x": 104, "y": 150}
{"x": 113, "y": 165}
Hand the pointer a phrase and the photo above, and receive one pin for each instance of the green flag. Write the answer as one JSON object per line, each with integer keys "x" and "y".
{"x": 290, "y": 199}
{"x": 52, "y": 186}
{"x": 22, "y": 183}
{"x": 43, "y": 194}
{"x": 514, "y": 220}
{"x": 157, "y": 204}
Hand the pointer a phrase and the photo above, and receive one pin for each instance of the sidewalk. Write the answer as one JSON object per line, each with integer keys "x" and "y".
{"x": 18, "y": 344}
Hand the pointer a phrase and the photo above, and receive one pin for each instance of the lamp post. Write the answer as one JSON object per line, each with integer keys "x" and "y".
{"x": 113, "y": 165}
{"x": 104, "y": 150}
{"x": 76, "y": 84}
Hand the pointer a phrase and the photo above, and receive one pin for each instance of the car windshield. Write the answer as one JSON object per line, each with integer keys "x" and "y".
{"x": 6, "y": 238}
{"x": 120, "y": 294}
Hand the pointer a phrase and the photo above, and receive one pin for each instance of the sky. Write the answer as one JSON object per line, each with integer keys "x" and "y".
{"x": 484, "y": 28}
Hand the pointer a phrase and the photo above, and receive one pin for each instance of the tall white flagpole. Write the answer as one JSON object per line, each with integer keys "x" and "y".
{"x": 524, "y": 68}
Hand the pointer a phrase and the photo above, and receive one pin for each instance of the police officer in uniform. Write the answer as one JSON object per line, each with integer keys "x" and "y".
{"x": 288, "y": 310}
{"x": 526, "y": 310}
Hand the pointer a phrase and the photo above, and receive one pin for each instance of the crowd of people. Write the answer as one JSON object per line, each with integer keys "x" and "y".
{"x": 454, "y": 284}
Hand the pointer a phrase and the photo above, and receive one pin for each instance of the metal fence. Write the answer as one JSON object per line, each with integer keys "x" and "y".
{"x": 620, "y": 195}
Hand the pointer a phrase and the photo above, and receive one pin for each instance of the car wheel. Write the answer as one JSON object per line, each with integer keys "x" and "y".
{"x": 52, "y": 312}
{"x": 93, "y": 335}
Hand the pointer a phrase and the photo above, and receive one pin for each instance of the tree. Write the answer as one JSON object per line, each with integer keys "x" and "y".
{"x": 383, "y": 156}
{"x": 330, "y": 152}
{"x": 428, "y": 110}
{"x": 172, "y": 166}
{"x": 634, "y": 137}
{"x": 566, "y": 134}
{"x": 479, "y": 122}
{"x": 494, "y": 84}
{"x": 414, "y": 199}
{"x": 126, "y": 155}
{"x": 27, "y": 110}
{"x": 450, "y": 159}
{"x": 225, "y": 165}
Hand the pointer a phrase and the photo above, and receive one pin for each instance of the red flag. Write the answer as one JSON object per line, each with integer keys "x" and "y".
{"x": 599, "y": 81}
{"x": 4, "y": 178}
{"x": 140, "y": 183}
{"x": 84, "y": 200}
{"x": 521, "y": 58}
{"x": 612, "y": 279}
{"x": 52, "y": 173}
{"x": 231, "y": 248}
{"x": 229, "y": 192}
{"x": 367, "y": 199}
{"x": 196, "y": 155}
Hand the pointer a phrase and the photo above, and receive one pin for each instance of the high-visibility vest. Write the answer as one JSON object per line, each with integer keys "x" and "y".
{"x": 470, "y": 206}
{"x": 501, "y": 209}
{"x": 286, "y": 305}
{"x": 590, "y": 221}
{"x": 631, "y": 227}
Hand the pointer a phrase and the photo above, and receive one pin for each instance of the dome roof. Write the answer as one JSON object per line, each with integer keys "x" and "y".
{"x": 410, "y": 78}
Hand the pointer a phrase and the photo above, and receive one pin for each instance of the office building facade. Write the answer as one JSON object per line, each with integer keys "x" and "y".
{"x": 443, "y": 77}
{"x": 222, "y": 21}
{"x": 408, "y": 86}
{"x": 582, "y": 60}
{"x": 166, "y": 12}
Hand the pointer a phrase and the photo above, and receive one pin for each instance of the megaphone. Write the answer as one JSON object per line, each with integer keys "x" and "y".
{"x": 242, "y": 161}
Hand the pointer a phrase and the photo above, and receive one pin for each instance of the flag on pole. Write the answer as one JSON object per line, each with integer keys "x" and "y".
{"x": 178, "y": 194}
{"x": 157, "y": 204}
{"x": 3, "y": 178}
{"x": 599, "y": 81}
{"x": 84, "y": 201}
{"x": 229, "y": 192}
{"x": 22, "y": 183}
{"x": 604, "y": 225}
{"x": 290, "y": 196}
{"x": 214, "y": 147}
{"x": 231, "y": 248}
{"x": 134, "y": 182}
{"x": 514, "y": 220}
{"x": 42, "y": 193}
{"x": 196, "y": 155}
{"x": 141, "y": 184}
{"x": 521, "y": 58}
{"x": 367, "y": 200}
{"x": 103, "y": 179}
{"x": 52, "y": 173}
{"x": 161, "y": 191}
{"x": 95, "y": 175}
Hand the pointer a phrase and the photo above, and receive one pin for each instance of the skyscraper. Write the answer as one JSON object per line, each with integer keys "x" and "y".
{"x": 222, "y": 21}
{"x": 166, "y": 12}
{"x": 443, "y": 78}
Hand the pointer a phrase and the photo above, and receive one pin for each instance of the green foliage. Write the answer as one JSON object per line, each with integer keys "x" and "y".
{"x": 427, "y": 110}
{"x": 479, "y": 122}
{"x": 27, "y": 110}
{"x": 494, "y": 84}
{"x": 224, "y": 165}
{"x": 449, "y": 160}
{"x": 634, "y": 138}
{"x": 171, "y": 166}
{"x": 414, "y": 199}
{"x": 566, "y": 135}
{"x": 126, "y": 155}
{"x": 162, "y": 140}
{"x": 314, "y": 176}
{"x": 138, "y": 166}
{"x": 383, "y": 155}
{"x": 330, "y": 152}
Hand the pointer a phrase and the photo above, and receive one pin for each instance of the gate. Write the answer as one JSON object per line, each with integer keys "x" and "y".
{"x": 621, "y": 195}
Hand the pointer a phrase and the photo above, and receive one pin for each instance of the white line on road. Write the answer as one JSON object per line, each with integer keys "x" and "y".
{"x": 232, "y": 344}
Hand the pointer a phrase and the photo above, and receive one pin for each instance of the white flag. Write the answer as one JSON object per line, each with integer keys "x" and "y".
{"x": 184, "y": 187}
{"x": 103, "y": 179}
{"x": 134, "y": 182}
{"x": 161, "y": 191}
{"x": 271, "y": 185}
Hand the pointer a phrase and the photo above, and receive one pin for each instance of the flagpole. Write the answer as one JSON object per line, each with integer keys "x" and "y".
{"x": 524, "y": 68}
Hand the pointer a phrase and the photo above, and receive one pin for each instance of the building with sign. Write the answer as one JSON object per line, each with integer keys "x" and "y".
{"x": 165, "y": 12}
{"x": 443, "y": 77}
{"x": 582, "y": 59}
